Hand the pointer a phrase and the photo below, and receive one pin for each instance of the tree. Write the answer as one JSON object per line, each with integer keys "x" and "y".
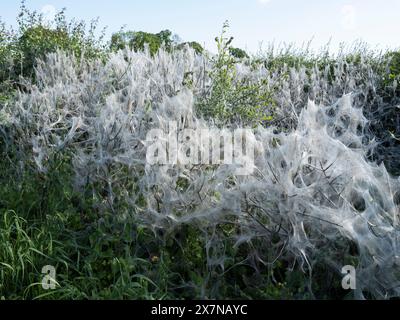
{"x": 35, "y": 38}
{"x": 194, "y": 45}
{"x": 238, "y": 53}
{"x": 137, "y": 40}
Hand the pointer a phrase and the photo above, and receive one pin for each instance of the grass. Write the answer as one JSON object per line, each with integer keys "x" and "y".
{"x": 94, "y": 257}
{"x": 114, "y": 257}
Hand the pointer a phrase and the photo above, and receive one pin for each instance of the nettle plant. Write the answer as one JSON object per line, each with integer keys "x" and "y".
{"x": 313, "y": 201}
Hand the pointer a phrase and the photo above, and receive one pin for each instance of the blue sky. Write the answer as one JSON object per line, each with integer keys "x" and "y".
{"x": 251, "y": 21}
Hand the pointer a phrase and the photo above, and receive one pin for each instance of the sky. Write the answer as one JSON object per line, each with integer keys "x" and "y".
{"x": 253, "y": 23}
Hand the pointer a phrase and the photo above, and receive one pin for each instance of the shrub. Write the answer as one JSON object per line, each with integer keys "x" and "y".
{"x": 194, "y": 45}
{"x": 35, "y": 38}
{"x": 392, "y": 77}
{"x": 238, "y": 53}
{"x": 232, "y": 95}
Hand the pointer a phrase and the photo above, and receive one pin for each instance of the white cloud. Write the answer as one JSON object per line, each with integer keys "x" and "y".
{"x": 49, "y": 12}
{"x": 349, "y": 17}
{"x": 263, "y": 2}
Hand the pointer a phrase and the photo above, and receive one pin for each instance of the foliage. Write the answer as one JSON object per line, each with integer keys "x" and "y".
{"x": 138, "y": 40}
{"x": 233, "y": 96}
{"x": 194, "y": 45}
{"x": 393, "y": 69}
{"x": 238, "y": 53}
{"x": 77, "y": 193}
{"x": 35, "y": 38}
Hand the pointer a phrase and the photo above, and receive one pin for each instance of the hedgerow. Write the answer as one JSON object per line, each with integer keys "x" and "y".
{"x": 78, "y": 193}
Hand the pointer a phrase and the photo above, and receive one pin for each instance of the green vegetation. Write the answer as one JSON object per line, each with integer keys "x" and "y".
{"x": 195, "y": 45}
{"x": 232, "y": 98}
{"x": 154, "y": 41}
{"x": 238, "y": 53}
{"x": 109, "y": 256}
{"x": 114, "y": 256}
{"x": 393, "y": 70}
{"x": 35, "y": 38}
{"x": 138, "y": 40}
